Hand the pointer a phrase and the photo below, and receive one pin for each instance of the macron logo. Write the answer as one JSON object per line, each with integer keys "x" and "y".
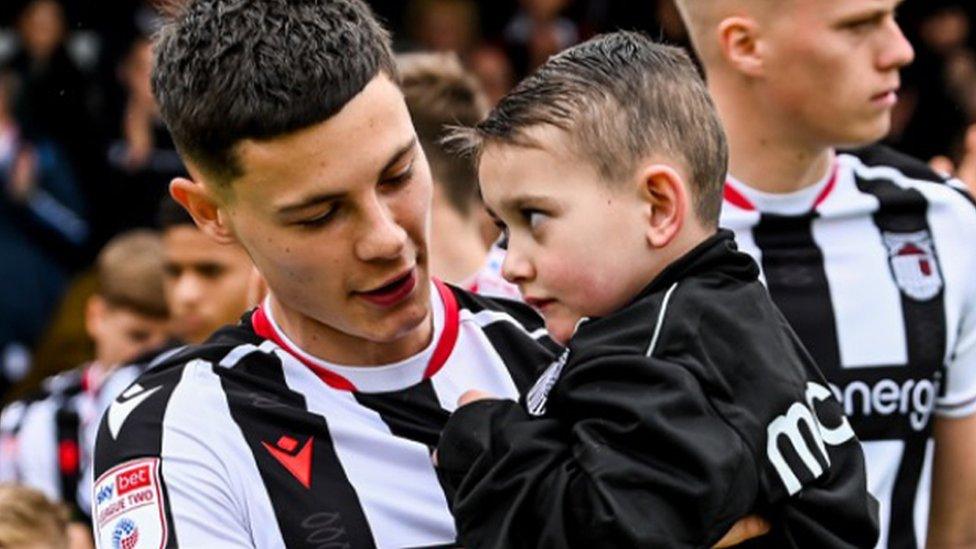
{"x": 124, "y": 405}
{"x": 298, "y": 463}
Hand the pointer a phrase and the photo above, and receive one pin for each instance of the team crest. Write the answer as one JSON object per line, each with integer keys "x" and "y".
{"x": 913, "y": 263}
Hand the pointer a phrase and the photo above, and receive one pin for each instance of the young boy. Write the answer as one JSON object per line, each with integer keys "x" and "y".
{"x": 683, "y": 402}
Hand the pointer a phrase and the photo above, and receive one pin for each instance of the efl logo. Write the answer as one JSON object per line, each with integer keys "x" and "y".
{"x": 126, "y": 535}
{"x": 133, "y": 479}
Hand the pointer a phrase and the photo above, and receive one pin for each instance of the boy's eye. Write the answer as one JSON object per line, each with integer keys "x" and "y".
{"x": 534, "y": 217}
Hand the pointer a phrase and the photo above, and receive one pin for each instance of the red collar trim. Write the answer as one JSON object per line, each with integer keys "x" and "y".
{"x": 739, "y": 200}
{"x": 442, "y": 351}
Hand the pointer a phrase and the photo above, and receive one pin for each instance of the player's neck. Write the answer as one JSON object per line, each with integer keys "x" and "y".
{"x": 765, "y": 150}
{"x": 457, "y": 251}
{"x": 331, "y": 345}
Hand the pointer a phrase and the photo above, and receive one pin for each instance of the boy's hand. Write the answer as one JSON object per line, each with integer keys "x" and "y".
{"x": 474, "y": 395}
{"x": 747, "y": 528}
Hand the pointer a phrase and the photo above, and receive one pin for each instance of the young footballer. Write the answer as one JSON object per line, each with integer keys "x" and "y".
{"x": 868, "y": 253}
{"x": 683, "y": 402}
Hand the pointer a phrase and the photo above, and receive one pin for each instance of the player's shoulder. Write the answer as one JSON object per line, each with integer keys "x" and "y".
{"x": 882, "y": 162}
{"x": 883, "y": 156}
{"x": 474, "y": 307}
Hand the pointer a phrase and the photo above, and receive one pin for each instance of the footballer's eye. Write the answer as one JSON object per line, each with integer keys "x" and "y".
{"x": 318, "y": 220}
{"x": 398, "y": 179}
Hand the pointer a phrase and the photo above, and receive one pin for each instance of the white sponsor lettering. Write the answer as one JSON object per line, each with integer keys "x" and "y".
{"x": 788, "y": 426}
{"x": 913, "y": 398}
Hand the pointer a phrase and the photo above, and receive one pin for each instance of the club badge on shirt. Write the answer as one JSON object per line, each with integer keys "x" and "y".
{"x": 913, "y": 263}
{"x": 128, "y": 506}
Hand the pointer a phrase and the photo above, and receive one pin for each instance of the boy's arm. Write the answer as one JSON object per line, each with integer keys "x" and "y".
{"x": 638, "y": 457}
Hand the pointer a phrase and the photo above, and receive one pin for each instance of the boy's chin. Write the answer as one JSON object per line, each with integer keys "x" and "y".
{"x": 561, "y": 329}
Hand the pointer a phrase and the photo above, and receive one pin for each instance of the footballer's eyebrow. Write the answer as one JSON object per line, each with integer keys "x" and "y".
{"x": 315, "y": 200}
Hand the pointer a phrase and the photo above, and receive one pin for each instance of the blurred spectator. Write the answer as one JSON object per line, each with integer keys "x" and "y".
{"x": 939, "y": 90}
{"x": 440, "y": 93}
{"x": 28, "y": 520}
{"x": 443, "y": 25}
{"x": 42, "y": 230}
{"x": 142, "y": 158}
{"x": 494, "y": 70}
{"x": 538, "y": 31}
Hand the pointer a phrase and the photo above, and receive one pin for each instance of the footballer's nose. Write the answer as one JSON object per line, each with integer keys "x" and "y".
{"x": 382, "y": 237}
{"x": 188, "y": 291}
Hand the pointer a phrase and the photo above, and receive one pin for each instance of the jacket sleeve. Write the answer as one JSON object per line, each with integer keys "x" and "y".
{"x": 630, "y": 454}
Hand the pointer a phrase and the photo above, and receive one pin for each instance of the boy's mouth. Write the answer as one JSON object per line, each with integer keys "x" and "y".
{"x": 539, "y": 304}
{"x": 393, "y": 291}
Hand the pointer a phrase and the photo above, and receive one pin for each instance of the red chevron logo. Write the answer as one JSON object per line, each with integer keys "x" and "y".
{"x": 299, "y": 463}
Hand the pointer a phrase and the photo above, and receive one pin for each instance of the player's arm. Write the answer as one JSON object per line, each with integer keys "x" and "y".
{"x": 639, "y": 458}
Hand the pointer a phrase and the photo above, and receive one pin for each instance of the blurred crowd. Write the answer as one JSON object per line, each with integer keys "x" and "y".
{"x": 85, "y": 157}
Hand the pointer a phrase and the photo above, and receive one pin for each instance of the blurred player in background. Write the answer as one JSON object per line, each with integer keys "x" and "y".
{"x": 46, "y": 441}
{"x": 440, "y": 93}
{"x": 869, "y": 254}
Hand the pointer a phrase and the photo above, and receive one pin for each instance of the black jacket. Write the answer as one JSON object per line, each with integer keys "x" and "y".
{"x": 662, "y": 425}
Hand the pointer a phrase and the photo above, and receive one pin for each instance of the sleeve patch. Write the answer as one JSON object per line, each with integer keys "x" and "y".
{"x": 128, "y": 510}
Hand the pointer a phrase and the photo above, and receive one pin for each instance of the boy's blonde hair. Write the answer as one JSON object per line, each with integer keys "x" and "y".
{"x": 130, "y": 271}
{"x": 27, "y": 518}
{"x": 619, "y": 98}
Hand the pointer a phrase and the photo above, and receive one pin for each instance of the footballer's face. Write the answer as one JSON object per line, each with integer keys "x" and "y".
{"x": 335, "y": 218}
{"x": 833, "y": 67}
{"x": 576, "y": 244}
{"x": 206, "y": 283}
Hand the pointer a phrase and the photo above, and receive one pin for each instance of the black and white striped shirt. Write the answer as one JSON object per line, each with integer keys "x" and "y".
{"x": 875, "y": 269}
{"x": 247, "y": 441}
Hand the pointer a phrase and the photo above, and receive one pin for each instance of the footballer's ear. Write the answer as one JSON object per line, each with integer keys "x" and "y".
{"x": 205, "y": 208}
{"x": 667, "y": 200}
{"x": 740, "y": 45}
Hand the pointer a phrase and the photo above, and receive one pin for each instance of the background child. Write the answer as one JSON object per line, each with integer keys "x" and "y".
{"x": 28, "y": 520}
{"x": 683, "y": 402}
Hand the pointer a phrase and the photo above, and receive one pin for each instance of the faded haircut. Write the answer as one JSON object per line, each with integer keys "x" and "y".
{"x": 130, "y": 271}
{"x": 440, "y": 94}
{"x": 619, "y": 98}
{"x": 230, "y": 70}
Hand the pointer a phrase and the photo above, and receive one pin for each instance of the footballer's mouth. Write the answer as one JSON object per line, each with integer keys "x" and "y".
{"x": 393, "y": 291}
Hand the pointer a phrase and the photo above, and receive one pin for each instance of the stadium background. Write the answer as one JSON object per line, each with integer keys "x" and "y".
{"x": 73, "y": 79}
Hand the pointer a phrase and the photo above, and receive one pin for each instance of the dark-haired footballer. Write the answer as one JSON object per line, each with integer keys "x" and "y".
{"x": 311, "y": 422}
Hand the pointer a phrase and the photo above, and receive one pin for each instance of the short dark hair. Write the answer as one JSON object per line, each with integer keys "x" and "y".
{"x": 441, "y": 94}
{"x": 228, "y": 70}
{"x": 619, "y": 97}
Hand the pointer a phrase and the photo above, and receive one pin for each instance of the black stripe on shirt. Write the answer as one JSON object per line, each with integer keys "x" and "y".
{"x": 904, "y": 211}
{"x": 413, "y": 413}
{"x": 329, "y": 508}
{"x": 67, "y": 432}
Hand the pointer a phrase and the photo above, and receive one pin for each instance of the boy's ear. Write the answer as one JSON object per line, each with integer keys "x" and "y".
{"x": 206, "y": 210}
{"x": 664, "y": 191}
{"x": 738, "y": 39}
{"x": 95, "y": 309}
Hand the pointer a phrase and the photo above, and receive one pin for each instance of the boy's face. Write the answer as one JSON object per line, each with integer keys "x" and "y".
{"x": 206, "y": 283}
{"x": 576, "y": 243}
{"x": 335, "y": 218}
{"x": 121, "y": 334}
{"x": 833, "y": 66}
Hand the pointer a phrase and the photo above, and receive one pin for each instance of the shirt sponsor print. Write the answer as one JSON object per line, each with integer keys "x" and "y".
{"x": 128, "y": 511}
